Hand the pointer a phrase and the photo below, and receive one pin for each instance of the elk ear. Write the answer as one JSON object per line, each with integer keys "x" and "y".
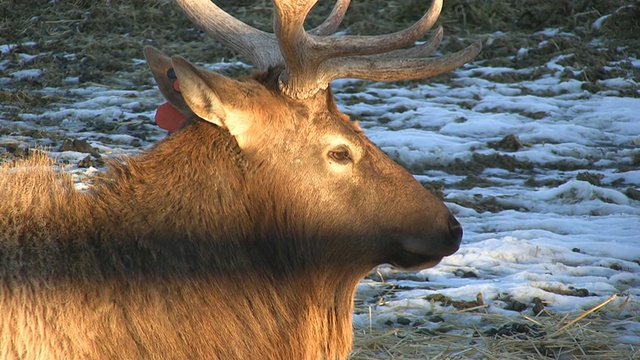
{"x": 160, "y": 65}
{"x": 204, "y": 91}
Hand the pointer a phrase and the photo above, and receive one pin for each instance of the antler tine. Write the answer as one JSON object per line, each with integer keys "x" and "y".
{"x": 419, "y": 51}
{"x": 380, "y": 68}
{"x": 330, "y": 25}
{"x": 337, "y": 46}
{"x": 259, "y": 47}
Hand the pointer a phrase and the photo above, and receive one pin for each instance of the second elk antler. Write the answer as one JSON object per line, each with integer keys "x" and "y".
{"x": 313, "y": 58}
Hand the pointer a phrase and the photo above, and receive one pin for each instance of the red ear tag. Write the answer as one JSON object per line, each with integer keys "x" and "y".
{"x": 168, "y": 117}
{"x": 176, "y": 86}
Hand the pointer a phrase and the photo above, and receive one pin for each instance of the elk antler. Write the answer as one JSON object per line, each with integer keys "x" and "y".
{"x": 314, "y": 58}
{"x": 259, "y": 47}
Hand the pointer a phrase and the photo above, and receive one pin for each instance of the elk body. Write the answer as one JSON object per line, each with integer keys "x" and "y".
{"x": 244, "y": 234}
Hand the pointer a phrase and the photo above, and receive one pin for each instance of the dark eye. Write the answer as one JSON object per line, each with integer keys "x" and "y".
{"x": 340, "y": 155}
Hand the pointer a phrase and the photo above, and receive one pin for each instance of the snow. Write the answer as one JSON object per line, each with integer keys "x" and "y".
{"x": 597, "y": 25}
{"x": 5, "y": 49}
{"x": 541, "y": 241}
{"x": 27, "y": 74}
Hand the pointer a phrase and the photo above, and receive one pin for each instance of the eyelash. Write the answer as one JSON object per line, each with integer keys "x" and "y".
{"x": 340, "y": 156}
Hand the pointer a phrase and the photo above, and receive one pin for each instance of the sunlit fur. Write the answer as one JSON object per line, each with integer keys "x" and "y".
{"x": 192, "y": 249}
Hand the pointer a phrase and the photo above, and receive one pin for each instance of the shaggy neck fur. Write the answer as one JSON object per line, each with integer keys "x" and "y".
{"x": 137, "y": 266}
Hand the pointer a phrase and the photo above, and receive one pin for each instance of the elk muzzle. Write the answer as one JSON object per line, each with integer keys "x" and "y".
{"x": 426, "y": 250}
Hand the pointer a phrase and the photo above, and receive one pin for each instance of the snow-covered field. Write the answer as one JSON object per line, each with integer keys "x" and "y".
{"x": 555, "y": 218}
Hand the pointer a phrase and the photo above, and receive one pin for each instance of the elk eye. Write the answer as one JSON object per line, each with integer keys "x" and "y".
{"x": 340, "y": 155}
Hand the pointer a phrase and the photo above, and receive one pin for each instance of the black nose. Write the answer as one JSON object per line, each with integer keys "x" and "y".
{"x": 455, "y": 230}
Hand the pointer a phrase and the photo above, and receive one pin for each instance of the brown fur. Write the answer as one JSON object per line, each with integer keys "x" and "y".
{"x": 194, "y": 249}
{"x": 115, "y": 269}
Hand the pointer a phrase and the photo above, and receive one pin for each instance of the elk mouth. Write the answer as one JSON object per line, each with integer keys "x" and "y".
{"x": 410, "y": 261}
{"x": 417, "y": 253}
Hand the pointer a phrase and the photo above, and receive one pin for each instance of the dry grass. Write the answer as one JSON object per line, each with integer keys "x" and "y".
{"x": 592, "y": 334}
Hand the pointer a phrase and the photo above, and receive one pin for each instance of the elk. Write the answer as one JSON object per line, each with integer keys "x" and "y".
{"x": 243, "y": 234}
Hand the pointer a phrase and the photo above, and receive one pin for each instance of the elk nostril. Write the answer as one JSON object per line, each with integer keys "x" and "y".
{"x": 455, "y": 230}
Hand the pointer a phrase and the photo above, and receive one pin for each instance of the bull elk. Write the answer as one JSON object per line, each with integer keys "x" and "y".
{"x": 242, "y": 235}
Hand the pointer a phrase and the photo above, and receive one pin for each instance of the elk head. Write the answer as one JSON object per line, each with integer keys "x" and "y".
{"x": 301, "y": 150}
